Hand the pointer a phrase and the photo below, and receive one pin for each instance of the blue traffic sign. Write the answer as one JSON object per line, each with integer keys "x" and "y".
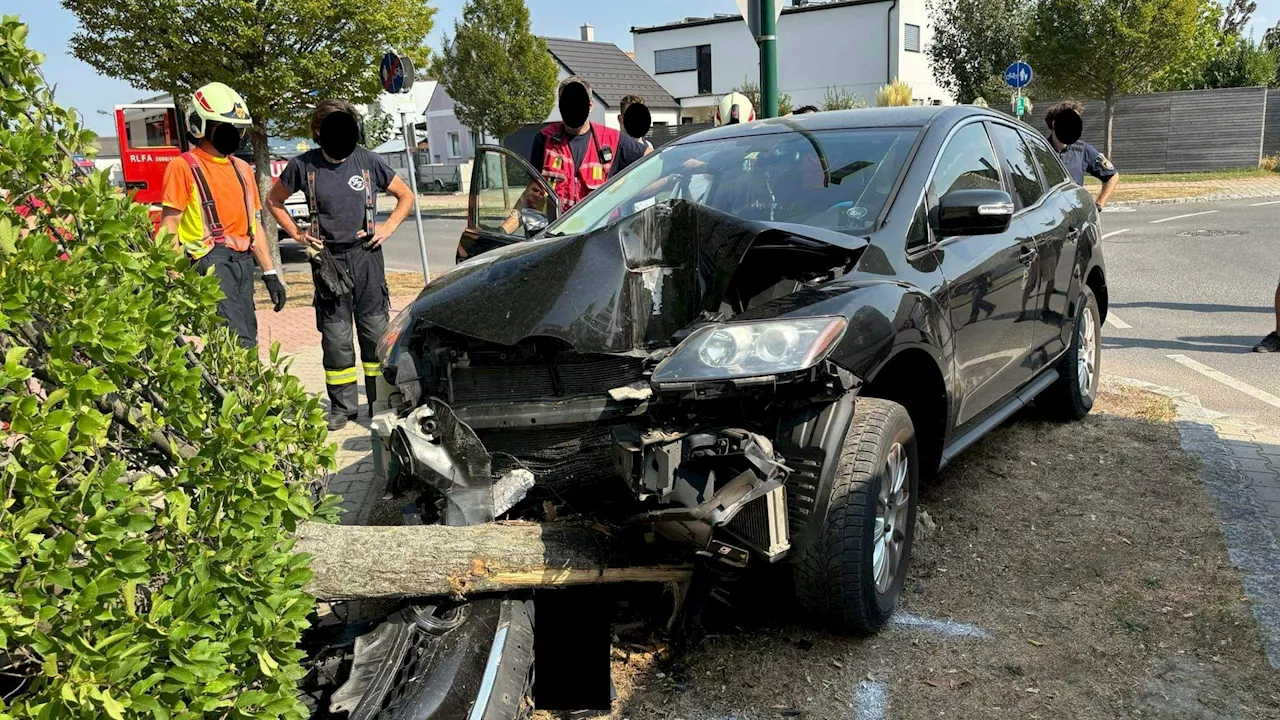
{"x": 396, "y": 73}
{"x": 1017, "y": 75}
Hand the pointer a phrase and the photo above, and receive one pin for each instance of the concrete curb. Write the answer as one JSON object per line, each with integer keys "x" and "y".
{"x": 1196, "y": 199}
{"x": 1251, "y": 544}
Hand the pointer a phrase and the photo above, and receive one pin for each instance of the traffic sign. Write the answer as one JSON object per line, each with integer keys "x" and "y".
{"x": 1017, "y": 75}
{"x": 396, "y": 73}
{"x": 1019, "y": 106}
{"x": 750, "y": 10}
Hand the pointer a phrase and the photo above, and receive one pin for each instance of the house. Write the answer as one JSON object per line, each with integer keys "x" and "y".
{"x": 852, "y": 45}
{"x": 611, "y": 73}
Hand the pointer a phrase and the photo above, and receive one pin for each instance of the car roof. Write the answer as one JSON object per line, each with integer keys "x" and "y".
{"x": 915, "y": 116}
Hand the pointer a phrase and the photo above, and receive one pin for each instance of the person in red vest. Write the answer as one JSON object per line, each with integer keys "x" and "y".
{"x": 575, "y": 155}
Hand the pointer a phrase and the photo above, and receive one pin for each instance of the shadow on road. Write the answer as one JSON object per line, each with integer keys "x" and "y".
{"x": 1230, "y": 344}
{"x": 1196, "y": 307}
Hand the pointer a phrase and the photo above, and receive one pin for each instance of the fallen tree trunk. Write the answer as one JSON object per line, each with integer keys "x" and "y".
{"x": 359, "y": 561}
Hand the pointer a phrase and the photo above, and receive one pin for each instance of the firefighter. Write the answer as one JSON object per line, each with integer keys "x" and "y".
{"x": 209, "y": 206}
{"x": 575, "y": 155}
{"x": 341, "y": 182}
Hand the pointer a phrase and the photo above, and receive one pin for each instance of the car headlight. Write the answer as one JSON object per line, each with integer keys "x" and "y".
{"x": 744, "y": 350}
{"x": 393, "y": 333}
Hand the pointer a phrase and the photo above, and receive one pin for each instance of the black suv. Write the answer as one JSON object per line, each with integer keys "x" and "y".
{"x": 752, "y": 344}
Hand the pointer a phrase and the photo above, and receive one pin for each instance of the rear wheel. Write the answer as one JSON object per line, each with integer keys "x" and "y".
{"x": 849, "y": 578}
{"x": 1071, "y": 397}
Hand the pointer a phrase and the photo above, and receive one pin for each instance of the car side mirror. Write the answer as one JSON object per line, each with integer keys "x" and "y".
{"x": 974, "y": 212}
{"x": 533, "y": 221}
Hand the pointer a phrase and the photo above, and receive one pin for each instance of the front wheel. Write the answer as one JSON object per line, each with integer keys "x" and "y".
{"x": 1071, "y": 397}
{"x": 849, "y": 578}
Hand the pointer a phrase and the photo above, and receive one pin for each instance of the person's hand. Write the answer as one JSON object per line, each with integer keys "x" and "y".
{"x": 275, "y": 289}
{"x": 307, "y": 238}
{"x": 380, "y": 234}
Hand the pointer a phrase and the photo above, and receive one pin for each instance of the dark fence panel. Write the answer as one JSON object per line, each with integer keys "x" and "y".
{"x": 1271, "y": 136}
{"x": 663, "y": 134}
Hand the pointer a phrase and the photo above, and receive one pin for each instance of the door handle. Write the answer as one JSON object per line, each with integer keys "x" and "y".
{"x": 1073, "y": 234}
{"x": 1028, "y": 255}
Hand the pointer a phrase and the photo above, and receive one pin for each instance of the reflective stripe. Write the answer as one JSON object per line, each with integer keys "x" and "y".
{"x": 372, "y": 369}
{"x": 340, "y": 377}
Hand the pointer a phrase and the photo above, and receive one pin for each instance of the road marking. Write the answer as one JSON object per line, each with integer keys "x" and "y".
{"x": 1117, "y": 323}
{"x": 1118, "y": 208}
{"x": 871, "y": 702}
{"x": 1116, "y": 232}
{"x": 945, "y": 627}
{"x": 1226, "y": 379}
{"x": 1272, "y": 202}
{"x": 1179, "y": 217}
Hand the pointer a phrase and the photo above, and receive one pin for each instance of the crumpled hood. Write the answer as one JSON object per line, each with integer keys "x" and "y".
{"x": 623, "y": 289}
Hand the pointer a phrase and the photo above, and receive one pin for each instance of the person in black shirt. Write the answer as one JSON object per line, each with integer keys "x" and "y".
{"x": 636, "y": 122}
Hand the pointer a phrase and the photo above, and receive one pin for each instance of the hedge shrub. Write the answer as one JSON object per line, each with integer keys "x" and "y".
{"x": 147, "y": 491}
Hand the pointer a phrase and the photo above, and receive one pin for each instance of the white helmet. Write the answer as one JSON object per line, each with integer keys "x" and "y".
{"x": 734, "y": 108}
{"x": 216, "y": 102}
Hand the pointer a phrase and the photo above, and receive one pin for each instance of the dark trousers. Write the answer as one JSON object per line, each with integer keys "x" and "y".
{"x": 235, "y": 277}
{"x": 369, "y": 305}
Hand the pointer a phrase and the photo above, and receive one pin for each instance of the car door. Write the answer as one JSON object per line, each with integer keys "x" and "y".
{"x": 1072, "y": 214}
{"x": 984, "y": 275}
{"x": 509, "y": 202}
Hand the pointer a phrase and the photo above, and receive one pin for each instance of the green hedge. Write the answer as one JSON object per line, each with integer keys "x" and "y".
{"x": 147, "y": 492}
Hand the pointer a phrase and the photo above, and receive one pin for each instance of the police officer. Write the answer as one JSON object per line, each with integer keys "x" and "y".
{"x": 1065, "y": 128}
{"x": 341, "y": 182}
{"x": 210, "y": 205}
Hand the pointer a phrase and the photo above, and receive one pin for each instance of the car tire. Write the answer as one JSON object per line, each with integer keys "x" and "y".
{"x": 1071, "y": 397}
{"x": 838, "y": 581}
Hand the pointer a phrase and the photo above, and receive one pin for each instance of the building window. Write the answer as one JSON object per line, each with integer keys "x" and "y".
{"x": 676, "y": 60}
{"x": 911, "y": 38}
{"x": 455, "y": 145}
{"x": 704, "y": 69}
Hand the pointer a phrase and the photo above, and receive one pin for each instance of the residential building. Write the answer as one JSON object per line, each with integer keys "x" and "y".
{"x": 853, "y": 45}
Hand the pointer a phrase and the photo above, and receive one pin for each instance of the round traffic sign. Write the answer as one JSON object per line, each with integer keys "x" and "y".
{"x": 396, "y": 73}
{"x": 1017, "y": 75}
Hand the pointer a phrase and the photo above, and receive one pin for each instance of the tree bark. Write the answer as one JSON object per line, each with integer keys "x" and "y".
{"x": 357, "y": 562}
{"x": 262, "y": 173}
{"x": 1110, "y": 113}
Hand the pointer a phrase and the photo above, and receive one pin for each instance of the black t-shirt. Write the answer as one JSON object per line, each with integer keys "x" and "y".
{"x": 577, "y": 145}
{"x": 629, "y": 151}
{"x": 340, "y": 190}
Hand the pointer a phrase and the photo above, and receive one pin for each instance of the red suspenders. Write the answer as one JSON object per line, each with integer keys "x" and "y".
{"x": 209, "y": 207}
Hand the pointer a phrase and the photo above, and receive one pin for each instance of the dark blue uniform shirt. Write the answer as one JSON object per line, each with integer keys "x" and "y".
{"x": 1081, "y": 158}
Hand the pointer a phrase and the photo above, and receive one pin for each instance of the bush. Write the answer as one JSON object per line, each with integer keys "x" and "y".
{"x": 1270, "y": 163}
{"x": 837, "y": 98}
{"x": 148, "y": 492}
{"x": 896, "y": 93}
{"x": 751, "y": 89}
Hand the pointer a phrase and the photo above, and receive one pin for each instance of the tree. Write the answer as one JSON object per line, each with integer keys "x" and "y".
{"x": 836, "y": 98}
{"x": 499, "y": 74}
{"x": 1120, "y": 46}
{"x": 1236, "y": 16}
{"x": 281, "y": 55}
{"x": 895, "y": 94}
{"x": 379, "y": 126}
{"x": 973, "y": 42}
{"x": 751, "y": 89}
{"x": 1241, "y": 63}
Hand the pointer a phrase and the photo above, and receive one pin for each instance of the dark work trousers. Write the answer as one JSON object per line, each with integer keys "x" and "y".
{"x": 370, "y": 306}
{"x": 235, "y": 277}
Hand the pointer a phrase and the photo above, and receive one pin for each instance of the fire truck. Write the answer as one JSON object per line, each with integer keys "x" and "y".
{"x": 151, "y": 135}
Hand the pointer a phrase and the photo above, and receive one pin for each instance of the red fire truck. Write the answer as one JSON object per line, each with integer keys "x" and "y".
{"x": 150, "y": 135}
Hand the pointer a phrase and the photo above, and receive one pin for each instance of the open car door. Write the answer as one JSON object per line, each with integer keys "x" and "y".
{"x": 510, "y": 202}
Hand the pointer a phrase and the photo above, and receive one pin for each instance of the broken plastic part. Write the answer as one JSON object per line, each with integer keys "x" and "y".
{"x": 449, "y": 457}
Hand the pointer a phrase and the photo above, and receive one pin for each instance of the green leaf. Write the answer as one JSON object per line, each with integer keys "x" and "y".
{"x": 61, "y": 577}
{"x": 113, "y": 708}
{"x": 8, "y": 556}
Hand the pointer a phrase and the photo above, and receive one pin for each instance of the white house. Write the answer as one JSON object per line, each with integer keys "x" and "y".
{"x": 854, "y": 45}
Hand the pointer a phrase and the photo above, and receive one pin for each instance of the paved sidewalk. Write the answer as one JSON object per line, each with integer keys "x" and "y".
{"x": 1203, "y": 190}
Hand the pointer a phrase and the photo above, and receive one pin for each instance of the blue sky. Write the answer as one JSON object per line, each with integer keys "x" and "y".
{"x": 79, "y": 86}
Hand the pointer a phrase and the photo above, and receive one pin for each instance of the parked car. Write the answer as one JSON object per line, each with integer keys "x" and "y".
{"x": 751, "y": 345}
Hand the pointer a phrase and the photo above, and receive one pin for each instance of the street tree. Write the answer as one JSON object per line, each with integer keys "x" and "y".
{"x": 499, "y": 74}
{"x": 751, "y": 89}
{"x": 1241, "y": 63}
{"x": 973, "y": 42}
{"x": 1119, "y": 46}
{"x": 379, "y": 126}
{"x": 280, "y": 55}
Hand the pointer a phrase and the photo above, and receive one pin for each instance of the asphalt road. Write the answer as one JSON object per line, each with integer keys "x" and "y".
{"x": 1191, "y": 289}
{"x": 401, "y": 251}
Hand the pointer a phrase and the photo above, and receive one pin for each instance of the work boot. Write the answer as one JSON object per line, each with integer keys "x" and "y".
{"x": 337, "y": 421}
{"x": 1269, "y": 344}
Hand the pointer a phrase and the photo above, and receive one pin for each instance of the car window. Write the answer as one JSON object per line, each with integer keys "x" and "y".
{"x": 967, "y": 163}
{"x": 1050, "y": 165}
{"x": 1018, "y": 164}
{"x": 918, "y": 233}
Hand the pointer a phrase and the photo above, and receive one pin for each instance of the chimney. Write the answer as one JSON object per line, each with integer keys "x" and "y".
{"x": 588, "y": 33}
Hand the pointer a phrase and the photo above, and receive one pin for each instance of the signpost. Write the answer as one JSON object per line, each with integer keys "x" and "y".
{"x": 1017, "y": 76}
{"x": 762, "y": 18}
{"x": 396, "y": 73}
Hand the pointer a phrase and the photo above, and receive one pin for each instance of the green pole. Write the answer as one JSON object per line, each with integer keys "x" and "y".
{"x": 768, "y": 59}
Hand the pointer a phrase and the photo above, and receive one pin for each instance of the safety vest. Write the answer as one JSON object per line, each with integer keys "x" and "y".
{"x": 572, "y": 184}
{"x": 214, "y": 232}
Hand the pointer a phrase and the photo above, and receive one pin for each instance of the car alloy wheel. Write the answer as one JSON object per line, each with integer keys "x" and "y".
{"x": 892, "y": 514}
{"x": 1087, "y": 357}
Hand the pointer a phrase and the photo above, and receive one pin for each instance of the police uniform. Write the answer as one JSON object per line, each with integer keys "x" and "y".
{"x": 1080, "y": 157}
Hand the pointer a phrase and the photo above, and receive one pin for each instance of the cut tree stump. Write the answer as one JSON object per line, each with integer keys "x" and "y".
{"x": 353, "y": 562}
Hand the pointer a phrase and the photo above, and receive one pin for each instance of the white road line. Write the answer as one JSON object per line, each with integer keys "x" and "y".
{"x": 1116, "y": 232}
{"x": 945, "y": 627}
{"x": 871, "y": 702}
{"x": 1179, "y": 217}
{"x": 1226, "y": 379}
{"x": 1272, "y": 202}
{"x": 1117, "y": 323}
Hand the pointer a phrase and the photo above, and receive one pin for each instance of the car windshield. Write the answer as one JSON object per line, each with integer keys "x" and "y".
{"x": 833, "y": 179}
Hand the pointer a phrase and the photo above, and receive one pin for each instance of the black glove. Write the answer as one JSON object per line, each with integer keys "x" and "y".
{"x": 275, "y": 289}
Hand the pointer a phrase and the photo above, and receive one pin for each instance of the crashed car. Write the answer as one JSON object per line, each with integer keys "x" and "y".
{"x": 749, "y": 347}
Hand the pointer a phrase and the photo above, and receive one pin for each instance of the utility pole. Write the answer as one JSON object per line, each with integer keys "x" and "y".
{"x": 768, "y": 42}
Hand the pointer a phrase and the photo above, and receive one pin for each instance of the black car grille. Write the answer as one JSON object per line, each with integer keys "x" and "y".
{"x": 567, "y": 460}
{"x": 802, "y": 487}
{"x": 519, "y": 383}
